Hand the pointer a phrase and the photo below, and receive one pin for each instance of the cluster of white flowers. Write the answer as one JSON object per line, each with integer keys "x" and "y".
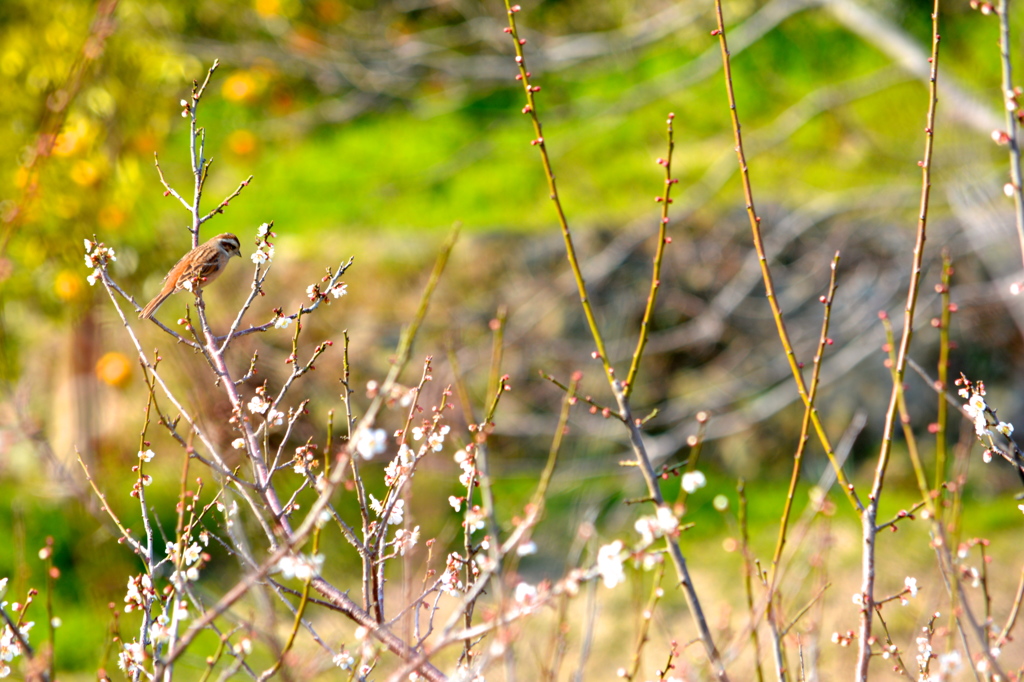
{"x": 304, "y": 459}
{"x": 466, "y": 460}
{"x": 371, "y": 442}
{"x": 243, "y": 647}
{"x": 302, "y": 566}
{"x": 229, "y": 511}
{"x": 97, "y": 255}
{"x": 10, "y": 647}
{"x": 949, "y": 663}
{"x": 314, "y": 294}
{"x": 450, "y": 582}
{"x": 475, "y": 518}
{"x": 843, "y": 639}
{"x": 264, "y": 252}
{"x": 259, "y": 404}
{"x": 132, "y": 658}
{"x": 525, "y": 594}
{"x": 664, "y": 522}
{"x": 400, "y": 469}
{"x": 193, "y": 553}
{"x": 397, "y": 511}
{"x": 610, "y": 559}
{"x": 693, "y": 481}
{"x": 924, "y": 651}
{"x": 435, "y": 436}
{"x": 344, "y": 660}
{"x": 910, "y": 587}
{"x": 979, "y": 412}
{"x": 159, "y": 630}
{"x": 140, "y": 592}
{"x": 406, "y": 539}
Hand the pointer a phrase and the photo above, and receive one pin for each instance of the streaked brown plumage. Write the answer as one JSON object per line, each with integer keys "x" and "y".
{"x": 198, "y": 267}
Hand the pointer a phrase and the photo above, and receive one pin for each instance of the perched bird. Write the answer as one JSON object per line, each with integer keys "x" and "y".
{"x": 196, "y": 269}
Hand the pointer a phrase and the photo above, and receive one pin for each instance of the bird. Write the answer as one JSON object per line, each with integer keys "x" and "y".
{"x": 196, "y": 269}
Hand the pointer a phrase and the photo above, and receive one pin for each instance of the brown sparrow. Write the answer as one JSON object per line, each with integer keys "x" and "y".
{"x": 196, "y": 269}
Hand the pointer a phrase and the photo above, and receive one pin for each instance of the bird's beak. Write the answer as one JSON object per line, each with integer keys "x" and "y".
{"x": 238, "y": 253}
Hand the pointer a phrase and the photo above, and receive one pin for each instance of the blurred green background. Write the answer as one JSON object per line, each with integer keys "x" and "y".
{"x": 372, "y": 127}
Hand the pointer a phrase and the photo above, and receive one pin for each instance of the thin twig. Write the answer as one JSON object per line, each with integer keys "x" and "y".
{"x": 1011, "y": 108}
{"x": 755, "y": 226}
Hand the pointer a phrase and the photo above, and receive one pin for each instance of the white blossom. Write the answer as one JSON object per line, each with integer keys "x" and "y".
{"x": 664, "y": 522}
{"x": 610, "y": 558}
{"x": 344, "y": 660}
{"x": 397, "y": 511}
{"x": 406, "y": 539}
{"x": 371, "y": 442}
{"x": 192, "y": 553}
{"x": 258, "y": 404}
{"x": 264, "y": 254}
{"x": 525, "y": 593}
{"x": 526, "y": 549}
{"x": 302, "y": 567}
{"x": 693, "y": 481}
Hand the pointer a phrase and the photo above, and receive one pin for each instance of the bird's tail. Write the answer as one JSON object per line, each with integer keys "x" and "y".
{"x": 151, "y": 307}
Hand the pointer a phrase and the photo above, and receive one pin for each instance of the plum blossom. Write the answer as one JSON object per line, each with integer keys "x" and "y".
{"x": 664, "y": 522}
{"x": 132, "y": 657}
{"x": 302, "y": 566}
{"x": 97, "y": 256}
{"x": 258, "y": 404}
{"x": 406, "y": 539}
{"x": 450, "y": 583}
{"x": 371, "y": 442}
{"x": 397, "y": 511}
{"x": 344, "y": 660}
{"x": 610, "y": 559}
{"x": 693, "y": 481}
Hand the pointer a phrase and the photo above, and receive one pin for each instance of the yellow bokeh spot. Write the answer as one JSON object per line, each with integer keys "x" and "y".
{"x": 272, "y": 9}
{"x": 21, "y": 177}
{"x": 114, "y": 369}
{"x": 68, "y": 285}
{"x": 242, "y": 142}
{"x": 268, "y": 8}
{"x": 110, "y": 217}
{"x": 75, "y": 135}
{"x": 57, "y": 34}
{"x": 84, "y": 173}
{"x": 12, "y": 62}
{"x": 239, "y": 87}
